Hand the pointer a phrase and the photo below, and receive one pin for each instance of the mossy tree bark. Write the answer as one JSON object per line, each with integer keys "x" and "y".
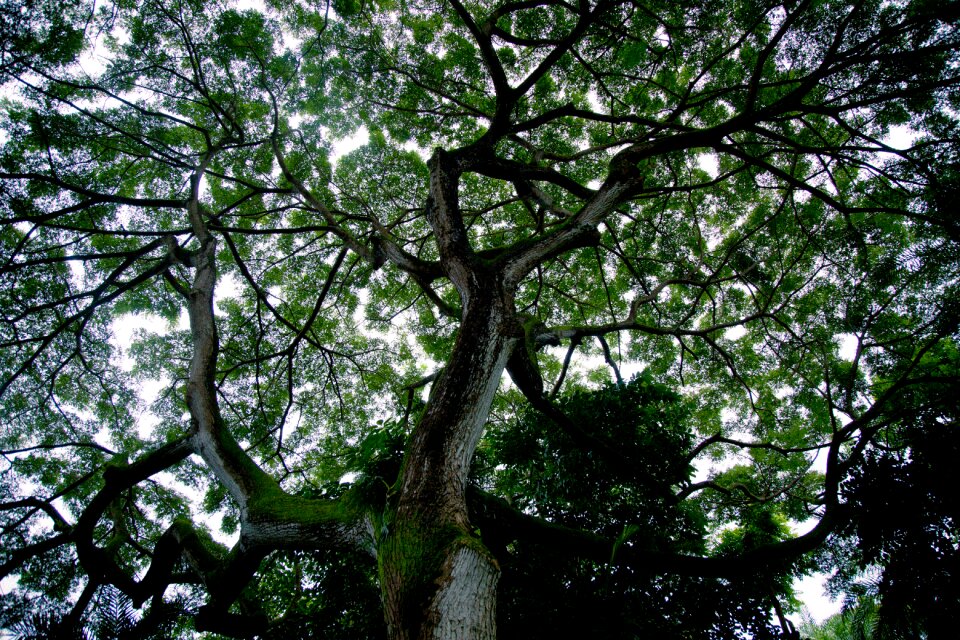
{"x": 438, "y": 580}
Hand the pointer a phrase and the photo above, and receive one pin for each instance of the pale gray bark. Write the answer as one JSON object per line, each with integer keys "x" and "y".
{"x": 465, "y": 605}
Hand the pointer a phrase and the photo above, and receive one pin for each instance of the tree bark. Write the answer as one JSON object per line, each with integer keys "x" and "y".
{"x": 437, "y": 578}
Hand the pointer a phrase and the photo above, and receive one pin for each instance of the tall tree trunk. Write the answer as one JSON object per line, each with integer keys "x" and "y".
{"x": 438, "y": 579}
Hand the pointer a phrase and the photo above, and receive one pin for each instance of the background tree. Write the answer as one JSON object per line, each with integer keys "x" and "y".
{"x": 710, "y": 192}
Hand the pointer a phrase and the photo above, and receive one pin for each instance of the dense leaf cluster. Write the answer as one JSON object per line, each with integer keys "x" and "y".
{"x": 303, "y": 303}
{"x": 906, "y": 529}
{"x": 543, "y": 471}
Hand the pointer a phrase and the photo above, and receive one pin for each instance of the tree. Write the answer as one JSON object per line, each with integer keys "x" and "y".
{"x": 377, "y": 367}
{"x": 908, "y": 524}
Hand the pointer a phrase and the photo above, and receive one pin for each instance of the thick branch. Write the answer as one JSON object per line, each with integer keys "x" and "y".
{"x": 93, "y": 197}
{"x": 495, "y": 515}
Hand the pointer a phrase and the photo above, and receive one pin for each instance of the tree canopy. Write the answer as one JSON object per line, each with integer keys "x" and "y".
{"x": 621, "y": 316}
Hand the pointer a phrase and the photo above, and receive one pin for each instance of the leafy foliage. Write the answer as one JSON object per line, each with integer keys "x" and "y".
{"x": 325, "y": 231}
{"x": 906, "y": 527}
{"x": 543, "y": 471}
{"x": 112, "y": 617}
{"x": 323, "y": 595}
